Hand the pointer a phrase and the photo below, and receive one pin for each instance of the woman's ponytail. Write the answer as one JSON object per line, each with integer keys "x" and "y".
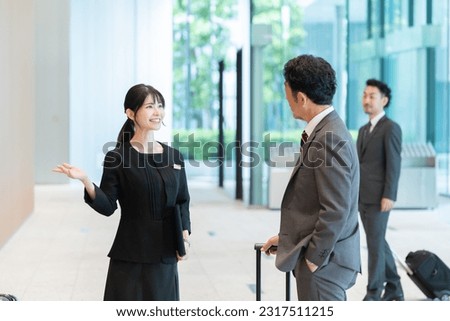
{"x": 126, "y": 133}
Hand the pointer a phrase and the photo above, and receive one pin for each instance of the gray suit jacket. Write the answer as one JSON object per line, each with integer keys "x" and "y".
{"x": 319, "y": 210}
{"x": 379, "y": 155}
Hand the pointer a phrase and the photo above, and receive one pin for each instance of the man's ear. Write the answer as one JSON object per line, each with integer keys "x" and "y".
{"x": 384, "y": 101}
{"x": 302, "y": 97}
{"x": 130, "y": 113}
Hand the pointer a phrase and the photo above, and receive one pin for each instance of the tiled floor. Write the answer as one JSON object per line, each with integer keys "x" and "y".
{"x": 60, "y": 251}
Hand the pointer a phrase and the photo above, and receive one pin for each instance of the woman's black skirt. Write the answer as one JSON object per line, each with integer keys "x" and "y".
{"x": 130, "y": 281}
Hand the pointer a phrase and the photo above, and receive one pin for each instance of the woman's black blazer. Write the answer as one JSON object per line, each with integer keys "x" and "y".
{"x": 143, "y": 235}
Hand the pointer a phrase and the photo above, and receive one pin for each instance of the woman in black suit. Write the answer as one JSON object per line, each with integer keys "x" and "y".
{"x": 149, "y": 181}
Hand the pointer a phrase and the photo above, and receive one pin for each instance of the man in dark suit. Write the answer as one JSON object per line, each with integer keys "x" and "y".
{"x": 379, "y": 150}
{"x": 319, "y": 234}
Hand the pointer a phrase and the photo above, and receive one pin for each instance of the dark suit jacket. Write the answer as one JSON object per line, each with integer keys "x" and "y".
{"x": 148, "y": 230}
{"x": 379, "y": 155}
{"x": 319, "y": 210}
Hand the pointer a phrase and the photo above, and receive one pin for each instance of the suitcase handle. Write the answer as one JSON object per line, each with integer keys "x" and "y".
{"x": 258, "y": 247}
{"x": 402, "y": 264}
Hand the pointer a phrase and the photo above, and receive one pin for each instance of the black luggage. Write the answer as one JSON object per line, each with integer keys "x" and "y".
{"x": 258, "y": 247}
{"x": 7, "y": 297}
{"x": 430, "y": 274}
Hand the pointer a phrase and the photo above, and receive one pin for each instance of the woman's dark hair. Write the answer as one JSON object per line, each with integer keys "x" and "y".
{"x": 134, "y": 99}
{"x": 312, "y": 76}
{"x": 382, "y": 87}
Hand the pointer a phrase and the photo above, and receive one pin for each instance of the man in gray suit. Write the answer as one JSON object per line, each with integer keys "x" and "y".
{"x": 379, "y": 147}
{"x": 319, "y": 235}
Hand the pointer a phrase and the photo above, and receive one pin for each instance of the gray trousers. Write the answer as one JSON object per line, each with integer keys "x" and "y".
{"x": 381, "y": 263}
{"x": 328, "y": 283}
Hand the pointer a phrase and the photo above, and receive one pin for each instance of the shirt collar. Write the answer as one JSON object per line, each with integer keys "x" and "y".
{"x": 376, "y": 119}
{"x": 316, "y": 120}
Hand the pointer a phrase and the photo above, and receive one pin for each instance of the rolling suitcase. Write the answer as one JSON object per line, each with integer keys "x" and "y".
{"x": 429, "y": 273}
{"x": 258, "y": 247}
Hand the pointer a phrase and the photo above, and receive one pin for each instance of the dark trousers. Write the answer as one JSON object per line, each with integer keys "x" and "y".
{"x": 381, "y": 263}
{"x": 130, "y": 281}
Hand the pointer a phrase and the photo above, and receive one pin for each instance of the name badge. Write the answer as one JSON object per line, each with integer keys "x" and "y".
{"x": 176, "y": 166}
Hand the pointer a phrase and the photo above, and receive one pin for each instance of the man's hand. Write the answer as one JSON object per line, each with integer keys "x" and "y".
{"x": 272, "y": 241}
{"x": 386, "y": 204}
{"x": 311, "y": 266}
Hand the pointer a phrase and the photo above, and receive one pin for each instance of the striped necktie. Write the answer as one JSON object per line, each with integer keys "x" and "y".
{"x": 304, "y": 139}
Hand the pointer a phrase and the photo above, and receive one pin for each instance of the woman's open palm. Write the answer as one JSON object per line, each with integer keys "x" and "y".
{"x": 70, "y": 171}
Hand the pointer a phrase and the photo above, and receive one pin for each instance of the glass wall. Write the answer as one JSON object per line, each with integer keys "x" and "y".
{"x": 296, "y": 27}
{"x": 440, "y": 15}
{"x": 405, "y": 74}
{"x": 205, "y": 34}
{"x": 404, "y": 43}
{"x": 299, "y": 27}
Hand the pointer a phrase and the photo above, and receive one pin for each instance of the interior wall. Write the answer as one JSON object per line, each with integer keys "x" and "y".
{"x": 52, "y": 89}
{"x": 17, "y": 92}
